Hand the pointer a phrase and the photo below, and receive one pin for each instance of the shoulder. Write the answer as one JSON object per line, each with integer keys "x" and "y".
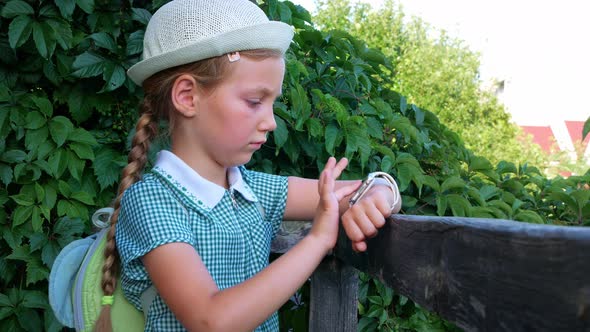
{"x": 263, "y": 181}
{"x": 150, "y": 189}
{"x": 150, "y": 216}
{"x": 150, "y": 198}
{"x": 270, "y": 190}
{"x": 147, "y": 186}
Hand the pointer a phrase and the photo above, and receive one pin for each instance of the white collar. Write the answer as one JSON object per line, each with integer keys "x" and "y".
{"x": 186, "y": 178}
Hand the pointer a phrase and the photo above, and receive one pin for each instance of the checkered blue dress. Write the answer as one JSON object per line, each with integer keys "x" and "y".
{"x": 232, "y": 237}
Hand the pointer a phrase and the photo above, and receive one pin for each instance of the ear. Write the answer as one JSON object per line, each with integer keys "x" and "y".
{"x": 184, "y": 95}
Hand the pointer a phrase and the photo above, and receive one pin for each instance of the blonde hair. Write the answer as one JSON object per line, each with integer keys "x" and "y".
{"x": 156, "y": 106}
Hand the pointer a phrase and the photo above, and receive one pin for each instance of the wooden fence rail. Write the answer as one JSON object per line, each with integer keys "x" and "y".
{"x": 480, "y": 274}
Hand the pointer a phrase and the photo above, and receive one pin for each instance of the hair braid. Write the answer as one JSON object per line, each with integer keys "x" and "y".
{"x": 146, "y": 130}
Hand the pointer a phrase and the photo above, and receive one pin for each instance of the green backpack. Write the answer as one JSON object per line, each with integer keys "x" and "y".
{"x": 75, "y": 293}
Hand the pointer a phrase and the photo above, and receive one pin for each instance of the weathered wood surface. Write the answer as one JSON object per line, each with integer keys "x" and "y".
{"x": 289, "y": 234}
{"x": 481, "y": 274}
{"x": 333, "y": 297}
{"x": 485, "y": 274}
{"x": 334, "y": 285}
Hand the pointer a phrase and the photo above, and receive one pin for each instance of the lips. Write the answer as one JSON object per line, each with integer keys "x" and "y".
{"x": 257, "y": 145}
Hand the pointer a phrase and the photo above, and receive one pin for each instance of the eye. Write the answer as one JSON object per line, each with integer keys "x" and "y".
{"x": 253, "y": 102}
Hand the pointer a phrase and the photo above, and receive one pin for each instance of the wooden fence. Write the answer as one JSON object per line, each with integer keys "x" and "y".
{"x": 480, "y": 274}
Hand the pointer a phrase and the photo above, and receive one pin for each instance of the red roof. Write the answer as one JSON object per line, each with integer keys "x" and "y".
{"x": 542, "y": 135}
{"x": 575, "y": 129}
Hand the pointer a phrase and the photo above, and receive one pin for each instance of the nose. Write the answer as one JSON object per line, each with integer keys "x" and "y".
{"x": 268, "y": 122}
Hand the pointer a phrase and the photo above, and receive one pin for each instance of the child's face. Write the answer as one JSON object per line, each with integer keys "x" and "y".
{"x": 234, "y": 120}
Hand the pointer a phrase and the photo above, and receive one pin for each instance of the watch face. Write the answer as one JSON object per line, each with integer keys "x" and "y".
{"x": 361, "y": 191}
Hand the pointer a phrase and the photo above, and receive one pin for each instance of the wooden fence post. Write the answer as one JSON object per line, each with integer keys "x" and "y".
{"x": 334, "y": 293}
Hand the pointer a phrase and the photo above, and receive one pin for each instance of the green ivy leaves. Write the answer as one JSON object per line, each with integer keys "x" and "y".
{"x": 66, "y": 108}
{"x": 66, "y": 7}
{"x": 19, "y": 31}
{"x": 20, "y": 306}
{"x": 107, "y": 166}
{"x": 17, "y": 305}
{"x": 46, "y": 26}
{"x": 43, "y": 157}
{"x": 89, "y": 64}
{"x": 16, "y": 8}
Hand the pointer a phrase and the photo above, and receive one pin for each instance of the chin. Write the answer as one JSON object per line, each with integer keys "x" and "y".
{"x": 239, "y": 161}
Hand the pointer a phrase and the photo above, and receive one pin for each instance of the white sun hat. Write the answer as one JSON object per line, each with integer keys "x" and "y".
{"x": 185, "y": 31}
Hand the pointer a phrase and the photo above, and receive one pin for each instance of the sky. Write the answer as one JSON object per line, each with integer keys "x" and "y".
{"x": 540, "y": 48}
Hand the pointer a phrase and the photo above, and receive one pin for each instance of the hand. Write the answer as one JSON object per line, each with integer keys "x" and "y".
{"x": 363, "y": 219}
{"x": 325, "y": 224}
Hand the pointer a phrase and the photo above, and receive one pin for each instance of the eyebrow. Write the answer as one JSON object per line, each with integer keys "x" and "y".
{"x": 266, "y": 91}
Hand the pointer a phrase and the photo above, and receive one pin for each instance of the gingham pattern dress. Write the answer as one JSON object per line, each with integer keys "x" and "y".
{"x": 231, "y": 229}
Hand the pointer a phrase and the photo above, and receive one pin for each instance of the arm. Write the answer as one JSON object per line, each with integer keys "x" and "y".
{"x": 186, "y": 286}
{"x": 303, "y": 197}
{"x": 360, "y": 221}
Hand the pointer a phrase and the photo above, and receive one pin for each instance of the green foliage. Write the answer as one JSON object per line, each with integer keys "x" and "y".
{"x": 438, "y": 73}
{"x": 66, "y": 110}
{"x": 381, "y": 309}
{"x": 568, "y": 162}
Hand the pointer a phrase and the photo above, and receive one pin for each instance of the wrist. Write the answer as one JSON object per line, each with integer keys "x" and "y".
{"x": 393, "y": 195}
{"x": 322, "y": 244}
{"x": 378, "y": 178}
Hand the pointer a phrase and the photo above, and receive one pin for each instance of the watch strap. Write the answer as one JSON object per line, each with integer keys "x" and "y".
{"x": 377, "y": 178}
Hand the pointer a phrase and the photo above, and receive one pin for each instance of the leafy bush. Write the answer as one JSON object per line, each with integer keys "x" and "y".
{"x": 66, "y": 110}
{"x": 435, "y": 71}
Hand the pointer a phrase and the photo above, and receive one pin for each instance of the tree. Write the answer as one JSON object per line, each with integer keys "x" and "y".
{"x": 435, "y": 72}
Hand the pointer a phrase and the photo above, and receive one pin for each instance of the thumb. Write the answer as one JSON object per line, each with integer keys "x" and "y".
{"x": 347, "y": 190}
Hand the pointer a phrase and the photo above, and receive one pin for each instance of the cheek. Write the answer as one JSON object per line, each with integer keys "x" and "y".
{"x": 220, "y": 114}
{"x": 232, "y": 119}
{"x": 239, "y": 129}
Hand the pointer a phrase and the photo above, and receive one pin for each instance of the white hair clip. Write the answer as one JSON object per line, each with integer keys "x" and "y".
{"x": 233, "y": 56}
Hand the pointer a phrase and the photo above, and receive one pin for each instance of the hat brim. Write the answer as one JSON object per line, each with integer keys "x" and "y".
{"x": 270, "y": 35}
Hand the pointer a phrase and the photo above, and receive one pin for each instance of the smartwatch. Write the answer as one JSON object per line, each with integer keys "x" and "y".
{"x": 372, "y": 179}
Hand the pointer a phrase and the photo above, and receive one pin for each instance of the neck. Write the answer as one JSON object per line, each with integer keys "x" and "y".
{"x": 205, "y": 168}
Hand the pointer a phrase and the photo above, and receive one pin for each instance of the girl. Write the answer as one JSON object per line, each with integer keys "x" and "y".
{"x": 199, "y": 226}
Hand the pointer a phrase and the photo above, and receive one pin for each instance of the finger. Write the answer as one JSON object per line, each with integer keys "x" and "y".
{"x": 329, "y": 181}
{"x": 383, "y": 206}
{"x": 376, "y": 217}
{"x": 321, "y": 181}
{"x": 327, "y": 177}
{"x": 360, "y": 246}
{"x": 365, "y": 225}
{"x": 353, "y": 232}
{"x": 330, "y": 163}
{"x": 346, "y": 190}
{"x": 327, "y": 167}
{"x": 340, "y": 166}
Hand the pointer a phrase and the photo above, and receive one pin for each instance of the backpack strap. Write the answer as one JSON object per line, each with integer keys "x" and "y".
{"x": 147, "y": 298}
{"x": 101, "y": 219}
